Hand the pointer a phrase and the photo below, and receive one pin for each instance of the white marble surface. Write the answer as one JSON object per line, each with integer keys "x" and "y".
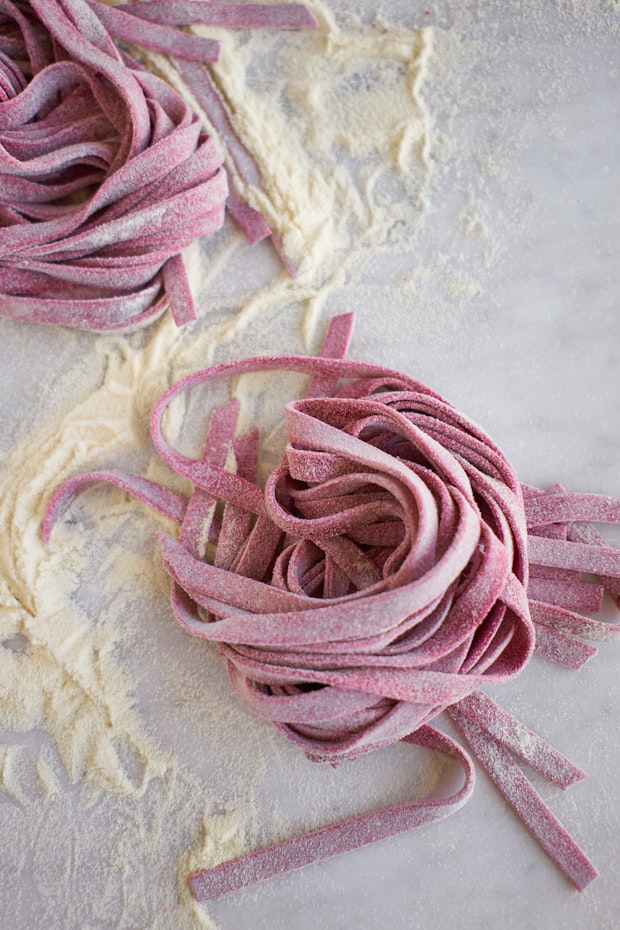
{"x": 533, "y": 355}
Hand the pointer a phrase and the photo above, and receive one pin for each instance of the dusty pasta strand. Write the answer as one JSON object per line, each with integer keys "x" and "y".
{"x": 106, "y": 174}
{"x": 379, "y": 578}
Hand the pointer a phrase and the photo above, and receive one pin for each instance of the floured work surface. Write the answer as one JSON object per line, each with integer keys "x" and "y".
{"x": 455, "y": 188}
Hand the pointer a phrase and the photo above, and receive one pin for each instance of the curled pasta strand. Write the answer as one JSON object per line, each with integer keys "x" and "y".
{"x": 106, "y": 174}
{"x": 392, "y": 567}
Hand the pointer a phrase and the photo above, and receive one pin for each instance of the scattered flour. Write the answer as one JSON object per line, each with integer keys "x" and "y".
{"x": 124, "y": 760}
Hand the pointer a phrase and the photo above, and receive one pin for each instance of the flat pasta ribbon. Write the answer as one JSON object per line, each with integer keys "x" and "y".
{"x": 392, "y": 567}
{"x": 106, "y": 173}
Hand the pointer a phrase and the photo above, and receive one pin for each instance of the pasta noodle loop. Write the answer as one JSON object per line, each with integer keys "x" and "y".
{"x": 391, "y": 568}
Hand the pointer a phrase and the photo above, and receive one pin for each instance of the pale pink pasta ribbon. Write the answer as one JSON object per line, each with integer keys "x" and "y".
{"x": 381, "y": 577}
{"x": 106, "y": 174}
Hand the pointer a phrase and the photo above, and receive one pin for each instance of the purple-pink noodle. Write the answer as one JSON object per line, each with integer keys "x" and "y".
{"x": 383, "y": 575}
{"x": 106, "y": 174}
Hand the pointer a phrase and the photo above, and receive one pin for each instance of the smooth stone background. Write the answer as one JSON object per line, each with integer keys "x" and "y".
{"x": 533, "y": 355}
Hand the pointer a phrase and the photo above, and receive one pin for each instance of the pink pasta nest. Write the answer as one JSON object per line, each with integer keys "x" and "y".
{"x": 106, "y": 174}
{"x": 392, "y": 566}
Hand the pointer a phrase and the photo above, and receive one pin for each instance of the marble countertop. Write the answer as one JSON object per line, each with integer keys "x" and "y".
{"x": 517, "y": 323}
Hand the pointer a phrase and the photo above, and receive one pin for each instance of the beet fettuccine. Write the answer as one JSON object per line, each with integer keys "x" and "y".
{"x": 106, "y": 173}
{"x": 392, "y": 567}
